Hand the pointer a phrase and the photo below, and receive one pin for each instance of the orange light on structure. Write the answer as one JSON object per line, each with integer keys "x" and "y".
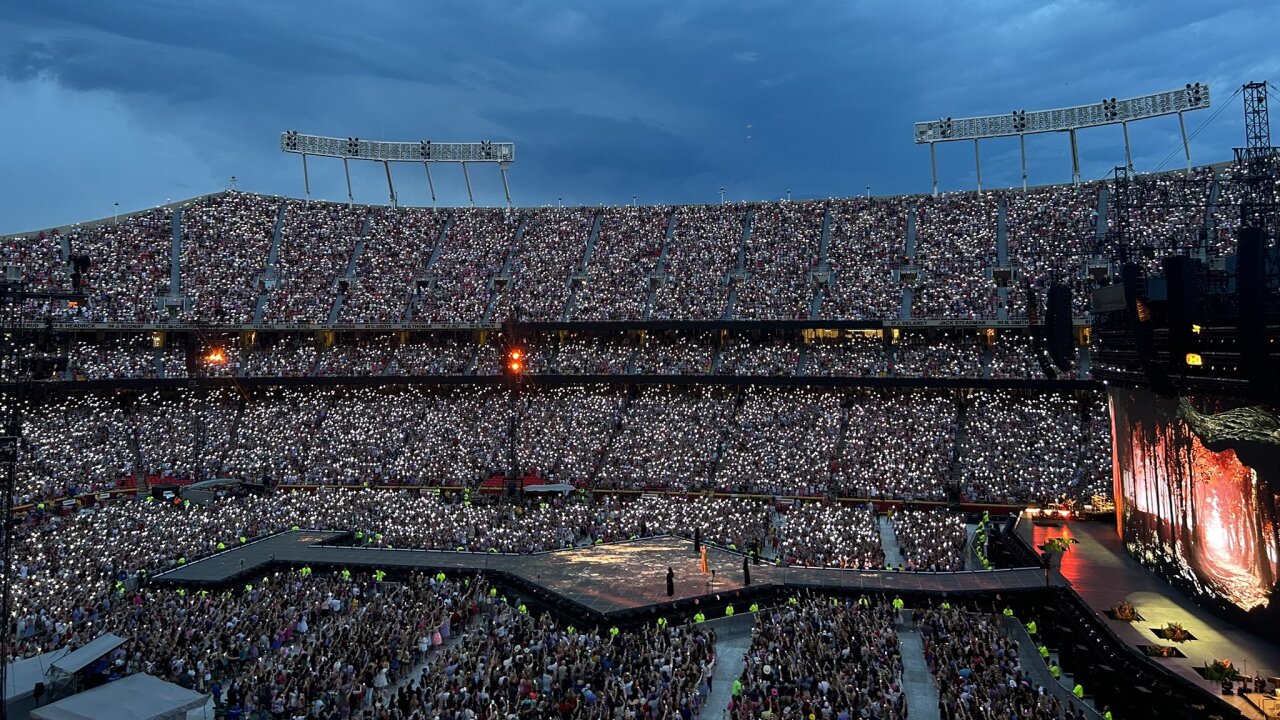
{"x": 216, "y": 356}
{"x": 515, "y": 360}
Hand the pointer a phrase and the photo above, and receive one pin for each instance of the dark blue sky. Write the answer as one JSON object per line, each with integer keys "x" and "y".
{"x": 147, "y": 101}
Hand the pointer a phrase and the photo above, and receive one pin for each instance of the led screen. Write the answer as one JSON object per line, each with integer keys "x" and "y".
{"x": 1196, "y": 481}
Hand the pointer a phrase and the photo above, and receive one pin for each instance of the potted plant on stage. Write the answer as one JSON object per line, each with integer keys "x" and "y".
{"x": 1175, "y": 632}
{"x": 1126, "y": 612}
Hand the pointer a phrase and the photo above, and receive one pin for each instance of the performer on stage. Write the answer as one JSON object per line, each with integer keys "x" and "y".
{"x": 697, "y": 540}
{"x": 671, "y": 582}
{"x": 703, "y": 561}
{"x": 746, "y": 571}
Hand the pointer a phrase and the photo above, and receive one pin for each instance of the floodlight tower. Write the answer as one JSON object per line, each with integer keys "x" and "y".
{"x": 426, "y": 152}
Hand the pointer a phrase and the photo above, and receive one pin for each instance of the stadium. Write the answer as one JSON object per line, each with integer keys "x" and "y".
{"x": 996, "y": 452}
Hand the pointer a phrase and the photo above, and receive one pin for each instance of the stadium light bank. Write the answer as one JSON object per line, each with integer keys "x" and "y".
{"x": 1195, "y": 96}
{"x": 423, "y": 151}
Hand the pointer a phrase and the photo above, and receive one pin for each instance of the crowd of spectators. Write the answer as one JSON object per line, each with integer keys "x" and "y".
{"x": 748, "y": 356}
{"x": 668, "y": 438}
{"x": 897, "y": 445}
{"x": 868, "y": 239}
{"x": 551, "y": 250}
{"x": 674, "y": 354}
{"x": 781, "y": 250}
{"x": 931, "y": 540}
{"x": 893, "y": 444}
{"x": 224, "y": 268}
{"x": 947, "y": 355}
{"x": 704, "y": 249}
{"x": 288, "y": 357}
{"x": 128, "y": 264}
{"x": 592, "y": 356}
{"x": 822, "y": 535}
{"x": 44, "y": 261}
{"x": 1024, "y": 447}
{"x": 128, "y": 357}
{"x": 822, "y": 657}
{"x": 394, "y": 255}
{"x": 472, "y": 255}
{"x": 955, "y": 244}
{"x": 626, "y": 252}
{"x": 70, "y": 446}
{"x": 332, "y": 644}
{"x": 977, "y": 670}
{"x": 1052, "y": 233}
{"x": 316, "y": 246}
{"x": 781, "y": 442}
{"x": 1011, "y": 357}
{"x": 858, "y": 355}
{"x": 226, "y": 240}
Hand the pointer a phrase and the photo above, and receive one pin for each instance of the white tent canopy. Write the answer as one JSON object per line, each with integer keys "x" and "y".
{"x": 22, "y": 675}
{"x": 83, "y": 657}
{"x": 562, "y": 488}
{"x": 136, "y": 697}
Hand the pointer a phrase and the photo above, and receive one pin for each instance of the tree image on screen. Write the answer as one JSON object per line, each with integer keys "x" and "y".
{"x": 1196, "y": 481}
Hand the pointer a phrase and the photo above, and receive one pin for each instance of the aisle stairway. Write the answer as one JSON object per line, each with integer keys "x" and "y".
{"x": 889, "y": 541}
{"x": 733, "y": 639}
{"x": 917, "y": 681}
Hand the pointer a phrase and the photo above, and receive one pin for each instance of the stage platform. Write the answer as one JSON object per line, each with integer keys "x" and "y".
{"x": 1104, "y": 575}
{"x": 605, "y": 578}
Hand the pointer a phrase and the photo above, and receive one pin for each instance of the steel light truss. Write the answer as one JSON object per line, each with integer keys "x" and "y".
{"x": 1195, "y": 96}
{"x": 380, "y": 151}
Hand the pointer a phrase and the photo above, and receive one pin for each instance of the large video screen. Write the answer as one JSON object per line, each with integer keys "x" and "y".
{"x": 1196, "y": 496}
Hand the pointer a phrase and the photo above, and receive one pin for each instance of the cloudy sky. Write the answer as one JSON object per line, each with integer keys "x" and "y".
{"x": 142, "y": 102}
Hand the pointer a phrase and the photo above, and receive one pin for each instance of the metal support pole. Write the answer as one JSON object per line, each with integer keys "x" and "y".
{"x": 1075, "y": 159}
{"x": 467, "y": 176}
{"x": 427, "y": 166}
{"x": 306, "y": 178}
{"x": 977, "y": 163}
{"x": 1022, "y": 141}
{"x": 390, "y": 187}
{"x": 1128, "y": 158}
{"x": 933, "y": 163}
{"x": 351, "y": 200}
{"x": 502, "y": 168}
{"x": 1186, "y": 147}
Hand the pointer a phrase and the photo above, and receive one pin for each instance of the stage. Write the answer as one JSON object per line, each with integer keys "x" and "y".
{"x": 604, "y": 579}
{"x": 1104, "y": 575}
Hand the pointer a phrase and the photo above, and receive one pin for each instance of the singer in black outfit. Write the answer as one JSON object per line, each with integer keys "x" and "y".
{"x": 671, "y": 582}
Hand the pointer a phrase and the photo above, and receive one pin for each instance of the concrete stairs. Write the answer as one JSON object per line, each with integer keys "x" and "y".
{"x": 815, "y": 304}
{"x": 1002, "y": 257}
{"x": 740, "y": 270}
{"x": 661, "y": 267}
{"x": 581, "y": 270}
{"x": 909, "y": 251}
{"x": 732, "y": 643}
{"x": 494, "y": 290}
{"x": 917, "y": 681}
{"x": 893, "y": 556}
{"x": 352, "y": 265}
{"x": 175, "y": 253}
{"x": 407, "y": 316}
{"x": 273, "y": 259}
{"x": 1100, "y": 224}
